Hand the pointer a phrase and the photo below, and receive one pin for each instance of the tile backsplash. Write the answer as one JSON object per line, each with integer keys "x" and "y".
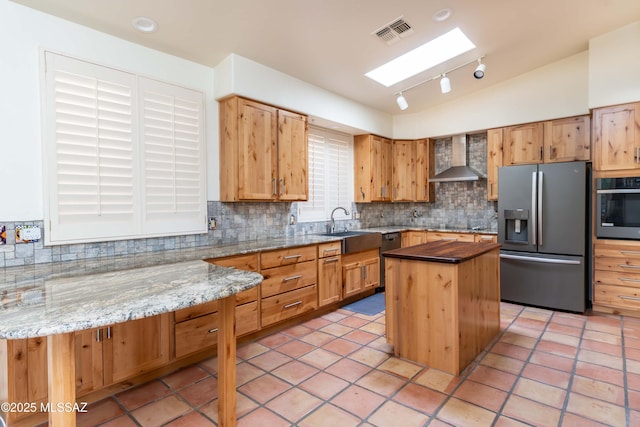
{"x": 458, "y": 205}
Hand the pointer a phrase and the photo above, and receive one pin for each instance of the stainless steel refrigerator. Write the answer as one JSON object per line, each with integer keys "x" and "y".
{"x": 543, "y": 228}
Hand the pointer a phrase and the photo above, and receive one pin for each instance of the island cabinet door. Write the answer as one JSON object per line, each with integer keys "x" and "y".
{"x": 111, "y": 354}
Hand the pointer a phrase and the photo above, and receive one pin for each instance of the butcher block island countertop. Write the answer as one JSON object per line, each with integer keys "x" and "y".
{"x": 442, "y": 302}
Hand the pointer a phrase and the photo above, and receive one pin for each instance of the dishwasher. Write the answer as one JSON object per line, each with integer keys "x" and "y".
{"x": 389, "y": 241}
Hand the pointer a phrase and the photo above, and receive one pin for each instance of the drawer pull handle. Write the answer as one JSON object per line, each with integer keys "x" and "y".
{"x": 628, "y": 297}
{"x": 292, "y": 257}
{"x": 626, "y": 279}
{"x": 330, "y": 260}
{"x": 629, "y": 266}
{"x": 293, "y": 304}
{"x": 630, "y": 252}
{"x": 288, "y": 279}
{"x": 212, "y": 331}
{"x": 331, "y": 250}
{"x": 449, "y": 238}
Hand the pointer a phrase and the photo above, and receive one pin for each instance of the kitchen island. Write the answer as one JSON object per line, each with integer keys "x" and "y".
{"x": 442, "y": 302}
{"x": 56, "y": 306}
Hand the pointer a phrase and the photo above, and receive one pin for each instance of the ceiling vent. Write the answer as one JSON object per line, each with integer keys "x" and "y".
{"x": 394, "y": 31}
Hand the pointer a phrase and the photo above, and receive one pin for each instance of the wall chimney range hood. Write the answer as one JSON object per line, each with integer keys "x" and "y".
{"x": 459, "y": 171}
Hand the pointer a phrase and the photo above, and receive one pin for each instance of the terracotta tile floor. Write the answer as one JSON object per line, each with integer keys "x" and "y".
{"x": 545, "y": 368}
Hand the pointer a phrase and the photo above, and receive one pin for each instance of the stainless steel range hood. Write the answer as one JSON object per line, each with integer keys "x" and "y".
{"x": 459, "y": 171}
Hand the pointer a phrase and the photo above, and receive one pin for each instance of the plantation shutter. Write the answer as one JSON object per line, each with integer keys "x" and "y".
{"x": 90, "y": 146}
{"x": 173, "y": 158}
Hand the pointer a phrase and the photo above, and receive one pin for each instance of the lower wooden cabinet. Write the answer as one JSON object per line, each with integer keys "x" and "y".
{"x": 360, "y": 271}
{"x": 434, "y": 236}
{"x": 329, "y": 273}
{"x": 289, "y": 304}
{"x": 616, "y": 286}
{"x": 413, "y": 237}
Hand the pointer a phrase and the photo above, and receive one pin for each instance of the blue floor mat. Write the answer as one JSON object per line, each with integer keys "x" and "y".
{"x": 371, "y": 305}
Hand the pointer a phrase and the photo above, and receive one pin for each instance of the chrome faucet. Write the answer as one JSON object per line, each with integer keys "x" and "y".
{"x": 333, "y": 221}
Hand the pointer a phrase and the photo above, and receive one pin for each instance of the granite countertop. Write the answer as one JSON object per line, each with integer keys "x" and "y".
{"x": 443, "y": 251}
{"x": 45, "y": 299}
{"x": 400, "y": 228}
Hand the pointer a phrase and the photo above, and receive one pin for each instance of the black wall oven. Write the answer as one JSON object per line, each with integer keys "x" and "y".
{"x": 618, "y": 208}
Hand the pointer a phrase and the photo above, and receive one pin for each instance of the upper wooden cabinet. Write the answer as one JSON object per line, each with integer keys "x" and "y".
{"x": 404, "y": 171}
{"x": 560, "y": 140}
{"x": 373, "y": 168}
{"x": 425, "y": 169}
{"x": 522, "y": 144}
{"x": 617, "y": 137}
{"x": 567, "y": 140}
{"x": 263, "y": 152}
{"x": 494, "y": 161}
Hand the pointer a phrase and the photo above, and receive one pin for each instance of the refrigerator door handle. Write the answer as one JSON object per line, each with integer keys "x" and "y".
{"x": 541, "y": 260}
{"x": 534, "y": 210}
{"x": 539, "y": 224}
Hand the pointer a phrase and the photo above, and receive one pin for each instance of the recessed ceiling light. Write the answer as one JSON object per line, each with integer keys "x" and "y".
{"x": 144, "y": 24}
{"x": 442, "y": 15}
{"x": 430, "y": 54}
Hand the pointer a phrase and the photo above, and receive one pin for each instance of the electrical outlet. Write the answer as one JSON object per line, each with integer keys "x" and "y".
{"x": 292, "y": 220}
{"x": 28, "y": 233}
{"x": 213, "y": 223}
{"x": 3, "y": 235}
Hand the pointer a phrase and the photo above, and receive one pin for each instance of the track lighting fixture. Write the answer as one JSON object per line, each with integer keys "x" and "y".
{"x": 479, "y": 71}
{"x": 445, "y": 82}
{"x": 402, "y": 102}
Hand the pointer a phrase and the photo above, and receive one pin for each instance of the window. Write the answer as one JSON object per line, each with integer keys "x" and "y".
{"x": 123, "y": 155}
{"x": 330, "y": 175}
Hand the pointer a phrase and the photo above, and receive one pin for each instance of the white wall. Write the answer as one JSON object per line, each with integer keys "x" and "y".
{"x": 23, "y": 32}
{"x": 241, "y": 76}
{"x": 614, "y": 67}
{"x": 557, "y": 90}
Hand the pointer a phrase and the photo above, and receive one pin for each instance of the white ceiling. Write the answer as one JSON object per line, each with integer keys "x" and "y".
{"x": 329, "y": 43}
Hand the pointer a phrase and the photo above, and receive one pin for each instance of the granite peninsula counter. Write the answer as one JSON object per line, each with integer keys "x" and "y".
{"x": 442, "y": 302}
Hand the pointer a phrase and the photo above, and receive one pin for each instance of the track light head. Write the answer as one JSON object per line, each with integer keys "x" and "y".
{"x": 445, "y": 84}
{"x": 402, "y": 102}
{"x": 479, "y": 71}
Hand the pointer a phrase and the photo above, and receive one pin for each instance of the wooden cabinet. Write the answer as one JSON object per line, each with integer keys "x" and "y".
{"x": 112, "y": 354}
{"x": 523, "y": 144}
{"x": 196, "y": 328}
{"x": 290, "y": 283}
{"x": 617, "y": 277}
{"x": 413, "y": 237}
{"x": 567, "y": 140}
{"x": 494, "y": 161}
{"x": 329, "y": 273}
{"x": 413, "y": 165}
{"x": 360, "y": 271}
{"x": 434, "y": 236}
{"x": 373, "y": 168}
{"x": 617, "y": 137}
{"x": 559, "y": 140}
{"x": 485, "y": 238}
{"x": 263, "y": 152}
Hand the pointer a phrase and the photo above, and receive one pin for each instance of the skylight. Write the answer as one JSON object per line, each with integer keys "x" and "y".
{"x": 430, "y": 54}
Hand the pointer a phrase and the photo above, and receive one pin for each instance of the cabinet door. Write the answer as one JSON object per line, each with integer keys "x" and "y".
{"x": 425, "y": 169}
{"x": 257, "y": 151}
{"x": 494, "y": 161}
{"x": 381, "y": 155}
{"x": 412, "y": 238}
{"x": 371, "y": 273}
{"x": 329, "y": 280}
{"x": 352, "y": 276}
{"x": 567, "y": 140}
{"x": 135, "y": 347}
{"x": 292, "y": 156}
{"x": 404, "y": 171}
{"x": 523, "y": 144}
{"x": 89, "y": 360}
{"x": 617, "y": 137}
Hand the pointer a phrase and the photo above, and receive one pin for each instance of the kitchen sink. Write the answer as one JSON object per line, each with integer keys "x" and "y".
{"x": 357, "y": 241}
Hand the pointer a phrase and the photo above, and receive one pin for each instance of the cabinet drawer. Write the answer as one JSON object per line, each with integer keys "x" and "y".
{"x": 618, "y": 251}
{"x": 241, "y": 262}
{"x": 329, "y": 249}
{"x": 433, "y": 236}
{"x": 288, "y": 278}
{"x": 287, "y": 256}
{"x": 623, "y": 265}
{"x": 617, "y": 296}
{"x": 202, "y": 332}
{"x": 209, "y": 307}
{"x": 288, "y": 304}
{"x": 486, "y": 238}
{"x": 617, "y": 278}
